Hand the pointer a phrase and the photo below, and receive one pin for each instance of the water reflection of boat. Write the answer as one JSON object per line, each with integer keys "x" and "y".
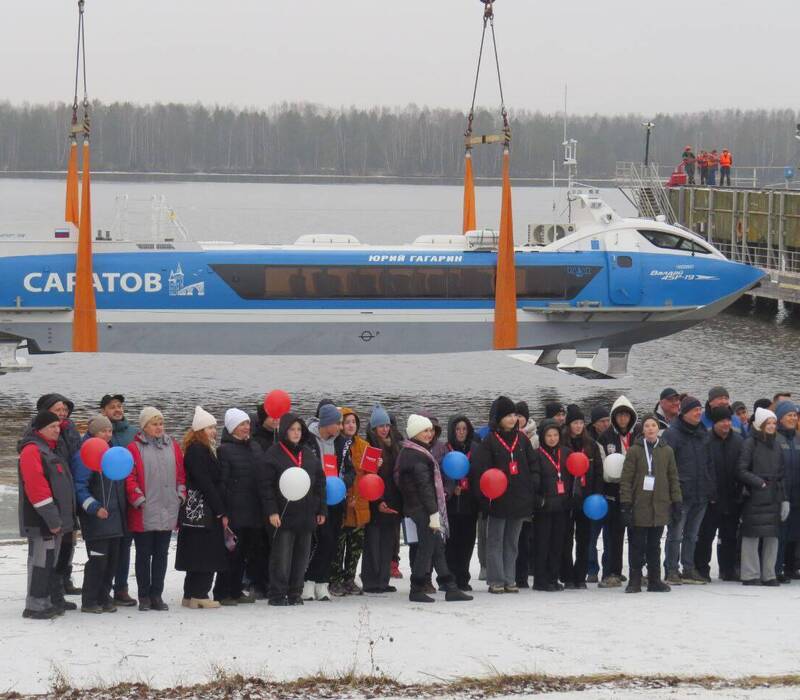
{"x": 602, "y": 282}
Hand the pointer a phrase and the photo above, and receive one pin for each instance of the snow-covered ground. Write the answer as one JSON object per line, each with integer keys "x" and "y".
{"x": 723, "y": 629}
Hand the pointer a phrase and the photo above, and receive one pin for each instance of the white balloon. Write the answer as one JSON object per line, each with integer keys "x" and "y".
{"x": 294, "y": 483}
{"x": 612, "y": 467}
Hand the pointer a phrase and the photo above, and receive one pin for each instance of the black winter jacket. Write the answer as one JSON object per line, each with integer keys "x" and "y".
{"x": 416, "y": 482}
{"x": 760, "y": 469}
{"x": 241, "y": 462}
{"x": 204, "y": 474}
{"x": 296, "y": 516}
{"x": 552, "y": 501}
{"x": 725, "y": 462}
{"x": 524, "y": 487}
{"x": 693, "y": 457}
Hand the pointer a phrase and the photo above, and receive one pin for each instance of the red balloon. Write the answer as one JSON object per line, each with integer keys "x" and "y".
{"x": 92, "y": 452}
{"x": 371, "y": 487}
{"x": 277, "y": 403}
{"x": 494, "y": 483}
{"x": 577, "y": 464}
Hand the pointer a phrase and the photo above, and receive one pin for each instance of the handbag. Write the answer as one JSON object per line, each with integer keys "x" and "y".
{"x": 194, "y": 512}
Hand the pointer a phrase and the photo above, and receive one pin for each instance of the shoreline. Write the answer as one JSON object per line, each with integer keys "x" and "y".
{"x": 316, "y": 179}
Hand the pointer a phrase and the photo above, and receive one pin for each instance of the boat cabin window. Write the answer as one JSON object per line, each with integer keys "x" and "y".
{"x": 663, "y": 239}
{"x": 624, "y": 261}
{"x": 398, "y": 281}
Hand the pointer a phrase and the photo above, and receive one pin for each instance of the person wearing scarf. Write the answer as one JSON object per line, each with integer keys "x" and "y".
{"x": 419, "y": 478}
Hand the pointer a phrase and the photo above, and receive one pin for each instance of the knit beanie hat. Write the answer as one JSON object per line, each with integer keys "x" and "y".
{"x": 523, "y": 410}
{"x": 598, "y": 413}
{"x": 785, "y": 407}
{"x": 689, "y": 403}
{"x": 234, "y": 417}
{"x": 502, "y": 407}
{"x": 202, "y": 419}
{"x": 416, "y": 424}
{"x": 719, "y": 413}
{"x": 97, "y": 424}
{"x": 147, "y": 414}
{"x": 717, "y": 392}
{"x": 43, "y": 419}
{"x": 324, "y": 402}
{"x": 762, "y": 416}
{"x": 379, "y": 417}
{"x": 551, "y": 410}
{"x": 574, "y": 413}
{"x": 737, "y": 406}
{"x": 329, "y": 415}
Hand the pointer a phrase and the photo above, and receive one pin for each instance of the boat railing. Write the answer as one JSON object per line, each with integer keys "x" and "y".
{"x": 643, "y": 187}
{"x": 146, "y": 219}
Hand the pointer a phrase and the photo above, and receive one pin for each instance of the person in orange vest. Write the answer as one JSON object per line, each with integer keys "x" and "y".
{"x": 713, "y": 166}
{"x": 702, "y": 163}
{"x": 725, "y": 163}
{"x": 689, "y": 160}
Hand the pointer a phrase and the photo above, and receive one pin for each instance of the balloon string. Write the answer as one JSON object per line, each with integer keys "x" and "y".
{"x": 275, "y": 534}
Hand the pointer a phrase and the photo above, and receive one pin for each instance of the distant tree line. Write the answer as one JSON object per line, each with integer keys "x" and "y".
{"x": 308, "y": 139}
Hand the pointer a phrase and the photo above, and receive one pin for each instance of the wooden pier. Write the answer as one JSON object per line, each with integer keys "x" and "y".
{"x": 756, "y": 226}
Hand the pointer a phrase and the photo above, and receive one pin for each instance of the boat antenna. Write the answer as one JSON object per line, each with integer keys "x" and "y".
{"x": 570, "y": 160}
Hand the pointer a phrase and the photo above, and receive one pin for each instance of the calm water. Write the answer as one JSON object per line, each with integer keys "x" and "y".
{"x": 753, "y": 355}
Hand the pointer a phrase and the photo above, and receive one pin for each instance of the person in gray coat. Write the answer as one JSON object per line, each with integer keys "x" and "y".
{"x": 761, "y": 471}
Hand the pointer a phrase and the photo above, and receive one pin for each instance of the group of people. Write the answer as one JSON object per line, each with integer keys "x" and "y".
{"x": 708, "y": 163}
{"x": 704, "y": 471}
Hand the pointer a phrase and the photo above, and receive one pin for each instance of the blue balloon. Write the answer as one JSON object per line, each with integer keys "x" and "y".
{"x": 595, "y": 507}
{"x": 117, "y": 463}
{"x": 455, "y": 465}
{"x": 335, "y": 490}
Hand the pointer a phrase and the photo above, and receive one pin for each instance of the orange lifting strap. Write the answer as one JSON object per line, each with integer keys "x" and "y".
{"x": 505, "y": 305}
{"x": 84, "y": 321}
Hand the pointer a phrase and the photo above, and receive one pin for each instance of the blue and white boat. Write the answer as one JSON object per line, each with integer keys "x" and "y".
{"x": 603, "y": 282}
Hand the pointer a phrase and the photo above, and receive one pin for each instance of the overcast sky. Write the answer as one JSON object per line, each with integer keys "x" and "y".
{"x": 616, "y": 56}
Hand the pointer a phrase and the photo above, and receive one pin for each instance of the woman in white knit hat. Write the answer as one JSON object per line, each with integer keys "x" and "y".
{"x": 419, "y": 477}
{"x": 155, "y": 488}
{"x": 760, "y": 469}
{"x": 203, "y": 519}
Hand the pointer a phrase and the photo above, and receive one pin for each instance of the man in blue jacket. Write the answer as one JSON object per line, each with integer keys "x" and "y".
{"x": 718, "y": 397}
{"x": 788, "y": 562}
{"x": 112, "y": 406}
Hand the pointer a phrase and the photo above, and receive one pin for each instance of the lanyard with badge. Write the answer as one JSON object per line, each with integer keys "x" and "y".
{"x": 513, "y": 466}
{"x": 560, "y": 489}
{"x": 650, "y": 479}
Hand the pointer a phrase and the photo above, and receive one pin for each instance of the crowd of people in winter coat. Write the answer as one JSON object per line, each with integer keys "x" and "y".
{"x": 705, "y": 472}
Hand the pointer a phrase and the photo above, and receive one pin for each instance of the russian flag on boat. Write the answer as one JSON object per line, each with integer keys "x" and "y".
{"x": 61, "y": 233}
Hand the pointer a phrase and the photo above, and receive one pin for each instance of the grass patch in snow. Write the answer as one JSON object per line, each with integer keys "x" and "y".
{"x": 355, "y": 686}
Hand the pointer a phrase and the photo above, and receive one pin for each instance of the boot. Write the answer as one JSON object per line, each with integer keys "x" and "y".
{"x": 47, "y": 614}
{"x": 71, "y": 589}
{"x": 656, "y": 585}
{"x": 57, "y": 596}
{"x": 308, "y": 590}
{"x": 417, "y": 593}
{"x": 455, "y": 595}
{"x": 352, "y": 588}
{"x": 123, "y": 599}
{"x": 144, "y": 603}
{"x": 396, "y": 573}
{"x": 321, "y": 592}
{"x": 156, "y": 603}
{"x": 206, "y": 603}
{"x": 635, "y": 583}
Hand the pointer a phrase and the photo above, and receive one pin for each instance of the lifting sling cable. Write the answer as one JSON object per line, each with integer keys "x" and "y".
{"x": 84, "y": 323}
{"x": 469, "y": 222}
{"x": 505, "y": 302}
